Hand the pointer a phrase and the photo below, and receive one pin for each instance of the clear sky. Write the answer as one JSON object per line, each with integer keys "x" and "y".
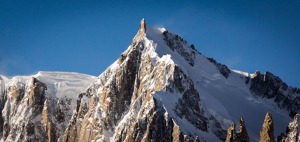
{"x": 87, "y": 36}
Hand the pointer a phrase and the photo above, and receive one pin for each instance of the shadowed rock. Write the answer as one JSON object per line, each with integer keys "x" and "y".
{"x": 240, "y": 136}
{"x": 231, "y": 134}
{"x": 242, "y": 131}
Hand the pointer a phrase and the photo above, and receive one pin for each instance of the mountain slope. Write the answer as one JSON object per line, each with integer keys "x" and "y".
{"x": 162, "y": 89}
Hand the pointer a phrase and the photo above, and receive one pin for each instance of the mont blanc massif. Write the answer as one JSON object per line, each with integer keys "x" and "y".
{"x": 160, "y": 89}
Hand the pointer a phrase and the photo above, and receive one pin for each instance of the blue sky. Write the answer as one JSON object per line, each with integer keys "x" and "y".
{"x": 87, "y": 36}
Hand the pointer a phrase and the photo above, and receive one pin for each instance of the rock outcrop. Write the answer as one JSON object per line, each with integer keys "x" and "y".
{"x": 141, "y": 32}
{"x": 267, "y": 131}
{"x": 224, "y": 70}
{"x": 270, "y": 86}
{"x": 292, "y": 132}
{"x": 3, "y": 93}
{"x": 242, "y": 133}
{"x": 29, "y": 112}
{"x": 231, "y": 134}
{"x": 22, "y": 112}
{"x": 240, "y": 136}
{"x": 178, "y": 44}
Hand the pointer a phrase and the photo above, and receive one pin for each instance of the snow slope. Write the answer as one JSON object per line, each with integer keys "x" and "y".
{"x": 226, "y": 99}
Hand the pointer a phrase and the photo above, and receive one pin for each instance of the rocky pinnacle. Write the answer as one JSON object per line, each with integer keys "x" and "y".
{"x": 240, "y": 136}
{"x": 242, "y": 131}
{"x": 143, "y": 25}
{"x": 141, "y": 33}
{"x": 231, "y": 134}
{"x": 267, "y": 132}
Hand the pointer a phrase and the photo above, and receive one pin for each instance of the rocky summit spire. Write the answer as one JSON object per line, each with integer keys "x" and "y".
{"x": 141, "y": 33}
{"x": 143, "y": 25}
{"x": 267, "y": 132}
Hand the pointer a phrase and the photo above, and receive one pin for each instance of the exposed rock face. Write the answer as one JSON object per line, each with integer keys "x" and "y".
{"x": 141, "y": 32}
{"x": 37, "y": 96}
{"x": 292, "y": 132}
{"x": 24, "y": 100}
{"x": 2, "y": 102}
{"x": 270, "y": 86}
{"x": 240, "y": 136}
{"x": 224, "y": 70}
{"x": 188, "y": 106}
{"x": 157, "y": 126}
{"x": 178, "y": 44}
{"x": 30, "y": 113}
{"x": 267, "y": 85}
{"x": 267, "y": 132}
{"x": 217, "y": 128}
{"x": 231, "y": 134}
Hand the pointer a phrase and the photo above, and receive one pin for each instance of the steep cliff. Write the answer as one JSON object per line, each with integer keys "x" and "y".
{"x": 32, "y": 110}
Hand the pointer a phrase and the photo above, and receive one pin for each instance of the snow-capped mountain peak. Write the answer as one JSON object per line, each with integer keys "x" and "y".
{"x": 159, "y": 89}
